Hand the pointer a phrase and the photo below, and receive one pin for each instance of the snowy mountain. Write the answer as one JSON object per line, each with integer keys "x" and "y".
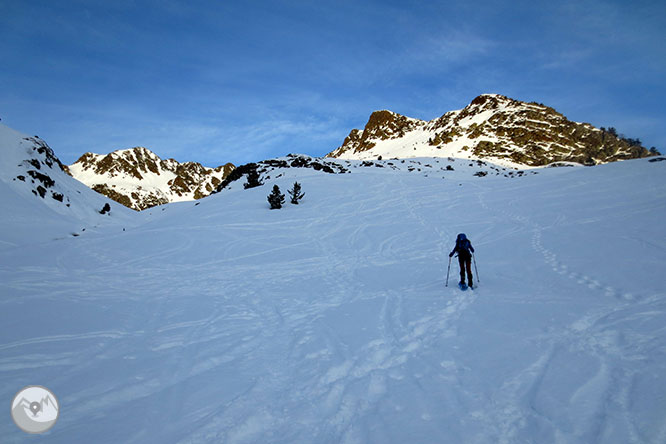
{"x": 39, "y": 200}
{"x": 32, "y": 165}
{"x": 493, "y": 128}
{"x": 139, "y": 179}
{"x": 331, "y": 321}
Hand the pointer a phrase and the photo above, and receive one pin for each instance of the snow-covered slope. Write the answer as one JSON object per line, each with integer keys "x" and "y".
{"x": 140, "y": 179}
{"x": 289, "y": 166}
{"x": 329, "y": 321}
{"x": 493, "y": 128}
{"x": 39, "y": 200}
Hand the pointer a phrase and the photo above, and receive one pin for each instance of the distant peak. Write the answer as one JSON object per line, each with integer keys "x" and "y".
{"x": 382, "y": 115}
{"x": 138, "y": 178}
{"x": 136, "y": 150}
{"x": 493, "y": 99}
{"x": 498, "y": 96}
{"x": 385, "y": 112}
{"x": 492, "y": 126}
{"x": 385, "y": 117}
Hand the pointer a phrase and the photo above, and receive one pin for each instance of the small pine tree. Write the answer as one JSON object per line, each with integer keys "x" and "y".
{"x": 252, "y": 179}
{"x": 295, "y": 193}
{"x": 276, "y": 199}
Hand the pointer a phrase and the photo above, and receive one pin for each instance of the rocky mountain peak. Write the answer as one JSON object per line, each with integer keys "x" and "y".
{"x": 492, "y": 127}
{"x": 490, "y": 101}
{"x": 382, "y": 125}
{"x": 386, "y": 124}
{"x": 131, "y": 162}
{"x": 138, "y": 178}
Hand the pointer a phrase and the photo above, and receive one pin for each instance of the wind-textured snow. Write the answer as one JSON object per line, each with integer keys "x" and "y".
{"x": 330, "y": 321}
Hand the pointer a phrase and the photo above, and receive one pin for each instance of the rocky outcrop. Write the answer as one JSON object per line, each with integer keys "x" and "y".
{"x": 33, "y": 172}
{"x": 139, "y": 179}
{"x": 494, "y": 128}
{"x": 42, "y": 167}
{"x": 262, "y": 170}
{"x": 382, "y": 125}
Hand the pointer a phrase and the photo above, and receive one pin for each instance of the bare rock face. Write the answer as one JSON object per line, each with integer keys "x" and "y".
{"x": 33, "y": 172}
{"x": 139, "y": 179}
{"x": 254, "y": 174}
{"x": 41, "y": 170}
{"x": 494, "y": 128}
{"x": 382, "y": 125}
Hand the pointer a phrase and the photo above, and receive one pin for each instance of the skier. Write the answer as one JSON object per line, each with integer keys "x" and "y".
{"x": 464, "y": 249}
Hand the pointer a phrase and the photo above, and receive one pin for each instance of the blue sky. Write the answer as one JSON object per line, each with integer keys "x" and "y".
{"x": 222, "y": 81}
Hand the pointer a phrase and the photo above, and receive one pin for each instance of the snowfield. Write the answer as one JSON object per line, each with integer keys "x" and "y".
{"x": 330, "y": 321}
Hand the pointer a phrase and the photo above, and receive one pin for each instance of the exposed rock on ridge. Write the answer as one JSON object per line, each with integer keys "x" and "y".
{"x": 31, "y": 169}
{"x": 492, "y": 127}
{"x": 264, "y": 168}
{"x": 40, "y": 165}
{"x": 139, "y": 179}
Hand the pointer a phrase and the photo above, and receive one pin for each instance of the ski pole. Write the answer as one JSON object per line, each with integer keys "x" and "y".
{"x": 475, "y": 269}
{"x": 447, "y": 272}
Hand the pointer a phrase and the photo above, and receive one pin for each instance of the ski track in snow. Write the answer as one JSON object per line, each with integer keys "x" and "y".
{"x": 330, "y": 322}
{"x": 551, "y": 258}
{"x": 589, "y": 335}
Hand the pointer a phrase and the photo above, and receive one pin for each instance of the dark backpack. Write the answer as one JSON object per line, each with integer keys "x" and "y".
{"x": 463, "y": 245}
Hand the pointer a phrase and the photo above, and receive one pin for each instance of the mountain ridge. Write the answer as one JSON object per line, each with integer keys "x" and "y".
{"x": 492, "y": 127}
{"x": 139, "y": 179}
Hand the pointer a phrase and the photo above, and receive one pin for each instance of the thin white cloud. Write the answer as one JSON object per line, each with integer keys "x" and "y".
{"x": 450, "y": 48}
{"x": 271, "y": 138}
{"x": 567, "y": 58}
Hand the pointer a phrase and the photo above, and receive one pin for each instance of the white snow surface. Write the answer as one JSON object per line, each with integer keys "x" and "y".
{"x": 331, "y": 322}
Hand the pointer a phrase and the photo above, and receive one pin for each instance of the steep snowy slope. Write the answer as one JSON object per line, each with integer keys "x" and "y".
{"x": 223, "y": 321}
{"x": 39, "y": 200}
{"x": 494, "y": 128}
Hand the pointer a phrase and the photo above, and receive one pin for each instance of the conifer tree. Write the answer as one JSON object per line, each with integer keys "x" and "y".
{"x": 252, "y": 179}
{"x": 276, "y": 199}
{"x": 295, "y": 193}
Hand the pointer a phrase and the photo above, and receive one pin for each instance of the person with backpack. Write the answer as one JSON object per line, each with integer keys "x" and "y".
{"x": 464, "y": 249}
